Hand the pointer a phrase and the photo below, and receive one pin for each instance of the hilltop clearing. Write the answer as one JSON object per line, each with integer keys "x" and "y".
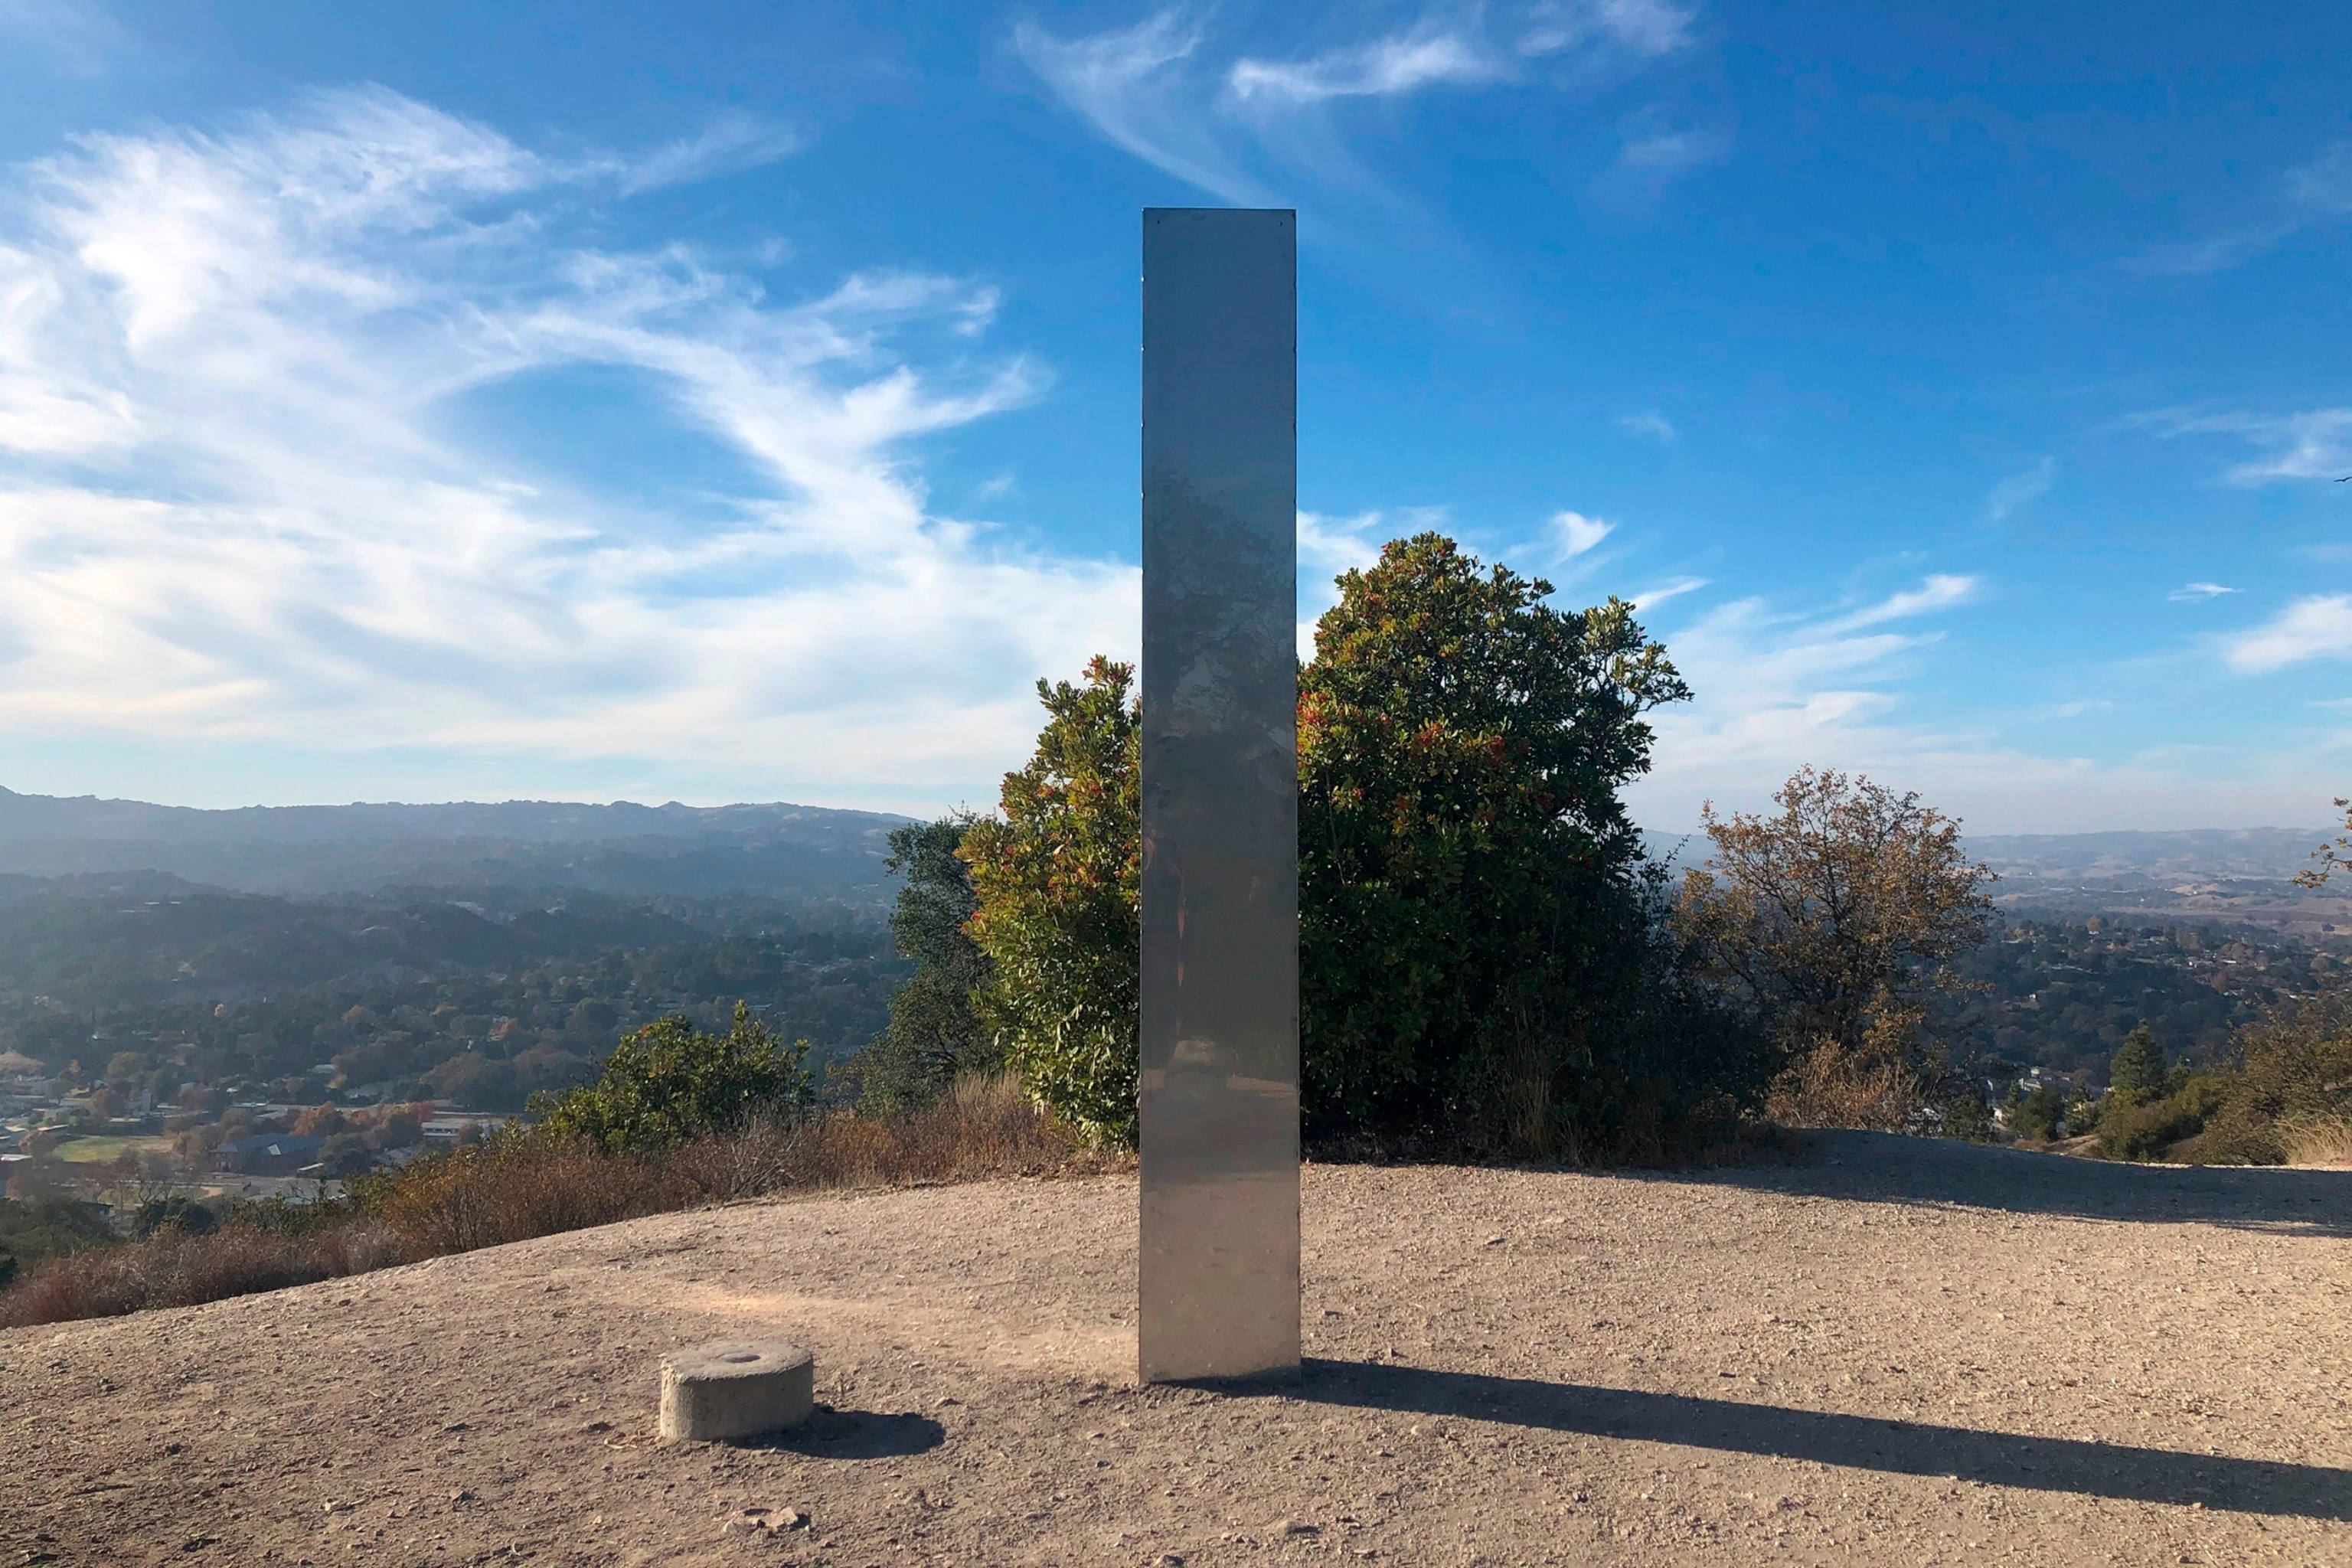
{"x": 1903, "y": 1352}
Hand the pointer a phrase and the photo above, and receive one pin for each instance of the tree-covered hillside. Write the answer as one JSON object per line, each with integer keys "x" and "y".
{"x": 2063, "y": 993}
{"x": 154, "y": 987}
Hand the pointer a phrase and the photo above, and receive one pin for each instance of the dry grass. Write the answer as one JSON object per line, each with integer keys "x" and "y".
{"x": 2317, "y": 1141}
{"x": 1831, "y": 1087}
{"x": 172, "y": 1270}
{"x": 512, "y": 1191}
{"x": 985, "y": 1127}
{"x": 520, "y": 1188}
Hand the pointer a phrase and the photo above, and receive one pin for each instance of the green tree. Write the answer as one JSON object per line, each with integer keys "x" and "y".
{"x": 1055, "y": 879}
{"x": 2292, "y": 1097}
{"x": 1481, "y": 966}
{"x": 1836, "y": 917}
{"x": 2137, "y": 1070}
{"x": 670, "y": 1082}
{"x": 935, "y": 1034}
{"x": 2041, "y": 1115}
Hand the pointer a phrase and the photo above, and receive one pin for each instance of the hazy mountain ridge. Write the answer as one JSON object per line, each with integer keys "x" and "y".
{"x": 775, "y": 850}
{"x": 2273, "y": 854}
{"x": 2246, "y": 873}
{"x": 799, "y": 853}
{"x": 523, "y": 821}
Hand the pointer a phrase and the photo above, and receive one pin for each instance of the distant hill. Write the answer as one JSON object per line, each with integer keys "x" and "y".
{"x": 2246, "y": 873}
{"x": 2202, "y": 854}
{"x": 769, "y": 851}
{"x": 801, "y": 854}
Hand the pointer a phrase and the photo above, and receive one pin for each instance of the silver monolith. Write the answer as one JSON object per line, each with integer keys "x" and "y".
{"x": 1219, "y": 1265}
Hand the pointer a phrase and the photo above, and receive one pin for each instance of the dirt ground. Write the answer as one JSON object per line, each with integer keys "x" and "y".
{"x": 1902, "y": 1352}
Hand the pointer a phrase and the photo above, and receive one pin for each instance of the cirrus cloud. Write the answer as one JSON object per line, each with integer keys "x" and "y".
{"x": 2311, "y": 444}
{"x": 2318, "y": 626}
{"x": 239, "y": 499}
{"x": 1240, "y": 124}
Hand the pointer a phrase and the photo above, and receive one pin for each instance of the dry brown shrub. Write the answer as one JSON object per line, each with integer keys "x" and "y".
{"x": 2316, "y": 1140}
{"x": 517, "y": 1188}
{"x": 175, "y": 1270}
{"x": 985, "y": 1126}
{"x": 514, "y": 1190}
{"x": 1830, "y": 1086}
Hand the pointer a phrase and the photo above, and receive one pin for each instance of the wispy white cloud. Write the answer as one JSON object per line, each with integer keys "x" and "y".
{"x": 1662, "y": 154}
{"x": 1429, "y": 55}
{"x": 2316, "y": 444}
{"x": 2004, "y": 499}
{"x": 1652, "y": 155}
{"x": 1238, "y": 124}
{"x": 2324, "y": 185}
{"x": 2213, "y": 252}
{"x": 1573, "y": 533}
{"x": 73, "y": 37}
{"x": 1329, "y": 546}
{"x": 1777, "y": 689}
{"x": 1649, "y": 422}
{"x": 2314, "y": 193}
{"x": 1146, "y": 89}
{"x": 1646, "y": 599}
{"x": 2318, "y": 626}
{"x": 1940, "y": 591}
{"x": 1644, "y": 28}
{"x": 730, "y": 144}
{"x": 2196, "y": 593}
{"x": 239, "y": 502}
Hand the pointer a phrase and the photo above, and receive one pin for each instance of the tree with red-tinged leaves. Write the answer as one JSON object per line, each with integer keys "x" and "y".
{"x": 1055, "y": 879}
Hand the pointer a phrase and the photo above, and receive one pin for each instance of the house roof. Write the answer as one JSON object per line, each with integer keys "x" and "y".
{"x": 278, "y": 1145}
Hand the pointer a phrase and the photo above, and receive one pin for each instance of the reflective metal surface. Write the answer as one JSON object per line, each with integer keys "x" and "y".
{"x": 1219, "y": 1268}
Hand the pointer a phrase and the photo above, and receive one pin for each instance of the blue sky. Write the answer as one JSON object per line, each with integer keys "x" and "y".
{"x": 738, "y": 401}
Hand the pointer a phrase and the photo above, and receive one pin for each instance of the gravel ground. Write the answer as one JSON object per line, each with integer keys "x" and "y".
{"x": 1902, "y": 1352}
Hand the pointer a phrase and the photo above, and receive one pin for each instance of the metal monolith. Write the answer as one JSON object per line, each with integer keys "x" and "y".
{"x": 1219, "y": 1112}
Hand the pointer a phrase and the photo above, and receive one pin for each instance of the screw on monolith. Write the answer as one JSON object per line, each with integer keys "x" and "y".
{"x": 714, "y": 1392}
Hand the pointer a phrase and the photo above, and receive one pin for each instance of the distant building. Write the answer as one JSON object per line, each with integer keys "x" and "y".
{"x": 450, "y": 1129}
{"x": 268, "y": 1154}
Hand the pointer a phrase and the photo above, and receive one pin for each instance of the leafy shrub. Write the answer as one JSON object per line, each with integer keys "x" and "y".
{"x": 2131, "y": 1128}
{"x": 670, "y": 1082}
{"x": 32, "y": 1229}
{"x": 935, "y": 1035}
{"x": 1055, "y": 879}
{"x": 1484, "y": 962}
{"x": 2041, "y": 1115}
{"x": 2293, "y": 1089}
{"x": 1965, "y": 1115}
